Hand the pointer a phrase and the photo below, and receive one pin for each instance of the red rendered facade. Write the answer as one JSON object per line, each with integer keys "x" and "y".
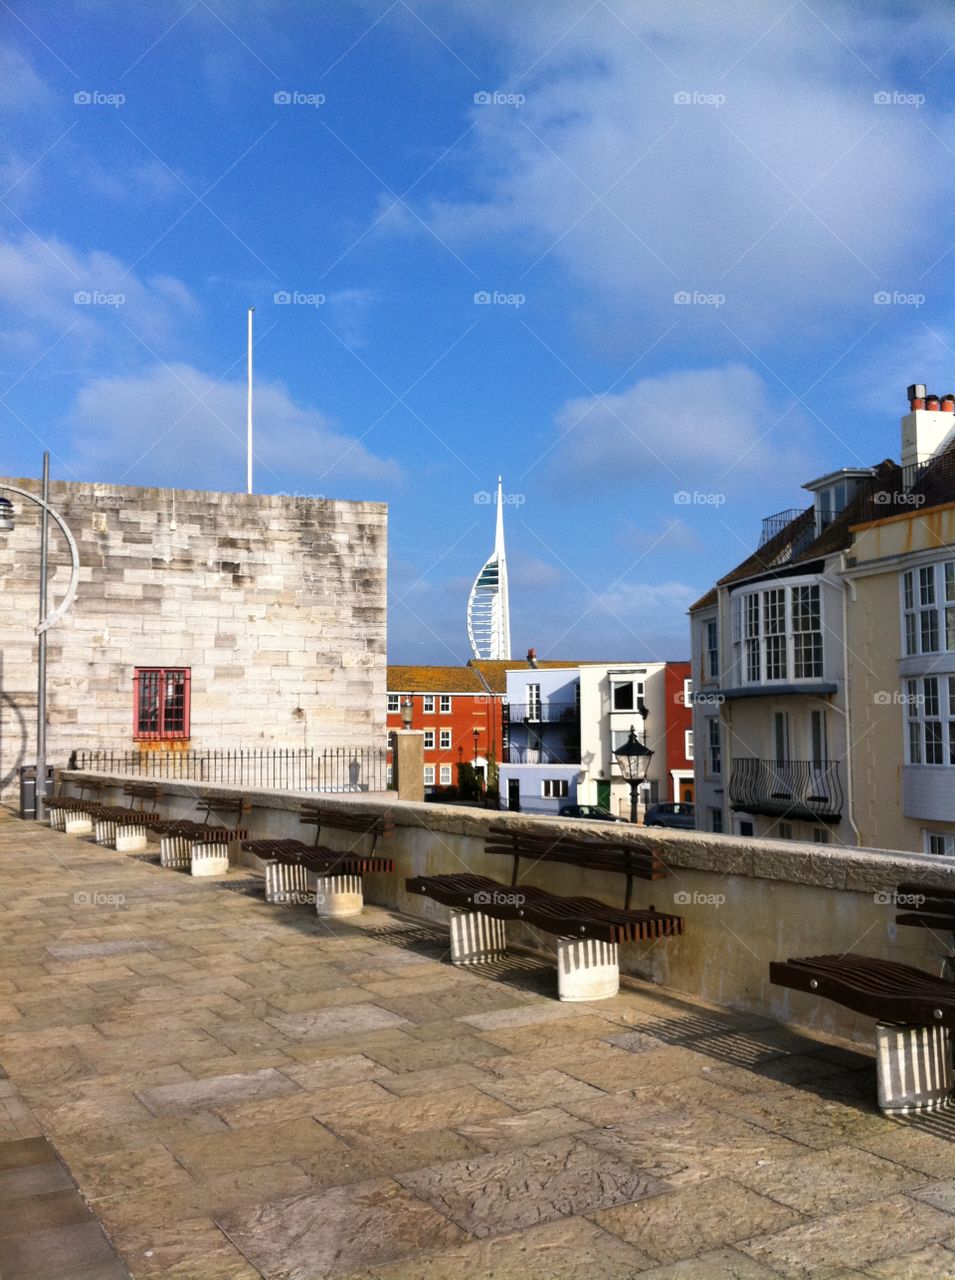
{"x": 679, "y": 722}
{"x": 466, "y": 713}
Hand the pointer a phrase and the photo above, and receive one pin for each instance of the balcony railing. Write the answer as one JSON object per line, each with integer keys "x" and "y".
{"x": 539, "y": 755}
{"x": 541, "y": 712}
{"x": 799, "y": 789}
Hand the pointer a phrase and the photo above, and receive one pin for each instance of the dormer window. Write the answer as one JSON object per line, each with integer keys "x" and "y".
{"x": 833, "y": 493}
{"x": 830, "y": 502}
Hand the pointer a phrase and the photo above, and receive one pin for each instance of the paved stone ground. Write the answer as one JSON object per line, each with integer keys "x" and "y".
{"x": 240, "y": 1091}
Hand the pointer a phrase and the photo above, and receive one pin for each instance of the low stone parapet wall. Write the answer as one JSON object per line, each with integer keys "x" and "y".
{"x": 744, "y": 902}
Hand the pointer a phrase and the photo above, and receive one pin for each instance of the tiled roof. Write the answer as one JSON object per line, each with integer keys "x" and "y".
{"x": 795, "y": 544}
{"x": 711, "y": 597}
{"x": 434, "y": 680}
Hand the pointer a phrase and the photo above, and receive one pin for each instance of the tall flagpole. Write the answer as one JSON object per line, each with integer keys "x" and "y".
{"x": 248, "y": 413}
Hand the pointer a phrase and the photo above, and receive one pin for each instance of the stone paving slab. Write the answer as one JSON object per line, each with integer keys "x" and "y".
{"x": 242, "y": 1091}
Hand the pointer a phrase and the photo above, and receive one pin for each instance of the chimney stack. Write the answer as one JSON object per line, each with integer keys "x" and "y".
{"x": 532, "y": 658}
{"x": 928, "y": 427}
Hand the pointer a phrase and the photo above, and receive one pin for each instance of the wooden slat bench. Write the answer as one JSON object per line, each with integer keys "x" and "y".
{"x": 588, "y": 932}
{"x": 203, "y": 847}
{"x": 71, "y": 814}
{"x": 294, "y": 868}
{"x": 914, "y": 1010}
{"x": 124, "y": 826}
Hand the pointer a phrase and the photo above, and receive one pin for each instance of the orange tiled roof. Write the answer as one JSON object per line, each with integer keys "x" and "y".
{"x": 421, "y": 679}
{"x": 495, "y": 671}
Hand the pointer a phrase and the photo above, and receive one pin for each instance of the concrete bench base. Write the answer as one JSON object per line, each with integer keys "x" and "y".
{"x": 209, "y": 859}
{"x": 289, "y": 885}
{"x": 175, "y": 852}
{"x": 70, "y": 821}
{"x": 337, "y": 896}
{"x": 914, "y": 1068}
{"x": 587, "y": 969}
{"x": 104, "y": 832}
{"x": 476, "y": 938}
{"x": 131, "y": 838}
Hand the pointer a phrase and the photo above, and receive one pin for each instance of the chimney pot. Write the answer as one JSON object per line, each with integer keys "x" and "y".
{"x": 931, "y": 403}
{"x": 947, "y": 403}
{"x": 532, "y": 657}
{"x": 917, "y": 391}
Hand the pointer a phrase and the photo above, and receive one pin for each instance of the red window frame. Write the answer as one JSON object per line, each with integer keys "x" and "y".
{"x": 161, "y": 703}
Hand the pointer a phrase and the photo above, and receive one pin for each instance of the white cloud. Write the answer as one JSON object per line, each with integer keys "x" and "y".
{"x": 41, "y": 279}
{"x": 175, "y": 425}
{"x": 706, "y": 430}
{"x": 707, "y": 197}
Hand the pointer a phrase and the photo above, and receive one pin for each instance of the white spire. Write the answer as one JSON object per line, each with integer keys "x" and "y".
{"x": 489, "y": 624}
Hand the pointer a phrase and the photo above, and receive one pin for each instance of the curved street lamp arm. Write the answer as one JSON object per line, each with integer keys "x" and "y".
{"x": 67, "y": 600}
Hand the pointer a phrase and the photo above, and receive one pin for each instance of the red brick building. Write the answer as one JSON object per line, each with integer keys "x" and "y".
{"x": 679, "y": 730}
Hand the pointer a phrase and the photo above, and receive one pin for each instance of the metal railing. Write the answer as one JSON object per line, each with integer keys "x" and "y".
{"x": 279, "y": 768}
{"x": 800, "y": 789}
{"x": 539, "y": 755}
{"x": 777, "y": 523}
{"x": 541, "y": 712}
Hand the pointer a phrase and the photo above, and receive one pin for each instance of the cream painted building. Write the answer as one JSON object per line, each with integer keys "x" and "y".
{"x": 824, "y": 664}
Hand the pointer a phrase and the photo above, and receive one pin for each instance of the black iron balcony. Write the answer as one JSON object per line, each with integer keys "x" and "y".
{"x": 799, "y": 789}
{"x": 521, "y": 754}
{"x": 541, "y": 713}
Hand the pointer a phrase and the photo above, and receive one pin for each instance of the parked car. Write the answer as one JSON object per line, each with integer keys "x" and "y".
{"x": 587, "y": 811}
{"x": 682, "y": 816}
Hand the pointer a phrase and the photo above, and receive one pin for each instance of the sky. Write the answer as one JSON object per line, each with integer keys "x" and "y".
{"x": 655, "y": 262}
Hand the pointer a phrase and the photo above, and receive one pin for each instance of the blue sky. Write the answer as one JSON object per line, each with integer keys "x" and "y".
{"x": 713, "y": 245}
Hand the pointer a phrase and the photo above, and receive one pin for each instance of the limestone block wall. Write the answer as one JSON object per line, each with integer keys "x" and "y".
{"x": 276, "y": 604}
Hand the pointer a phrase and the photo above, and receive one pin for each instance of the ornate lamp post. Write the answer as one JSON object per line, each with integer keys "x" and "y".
{"x": 7, "y": 525}
{"x": 634, "y": 760}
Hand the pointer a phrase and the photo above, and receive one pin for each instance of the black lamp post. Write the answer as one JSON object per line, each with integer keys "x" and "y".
{"x": 476, "y": 733}
{"x": 634, "y": 760}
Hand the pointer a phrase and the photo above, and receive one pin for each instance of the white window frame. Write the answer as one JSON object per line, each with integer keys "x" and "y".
{"x": 929, "y": 703}
{"x": 639, "y": 689}
{"x": 714, "y": 744}
{"x": 444, "y": 704}
{"x": 555, "y": 788}
{"x": 688, "y": 692}
{"x": 711, "y": 648}
{"x": 444, "y": 740}
{"x": 429, "y": 739}
{"x": 771, "y": 637}
{"x": 428, "y": 703}
{"x": 429, "y": 775}
{"x": 943, "y": 842}
{"x": 927, "y": 608}
{"x": 394, "y": 703}
{"x": 688, "y": 744}
{"x": 444, "y": 775}
{"x": 532, "y": 701}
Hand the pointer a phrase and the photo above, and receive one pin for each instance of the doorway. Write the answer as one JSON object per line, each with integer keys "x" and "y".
{"x": 514, "y": 794}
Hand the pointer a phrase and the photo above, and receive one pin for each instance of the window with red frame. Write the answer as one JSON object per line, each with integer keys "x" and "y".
{"x": 161, "y": 698}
